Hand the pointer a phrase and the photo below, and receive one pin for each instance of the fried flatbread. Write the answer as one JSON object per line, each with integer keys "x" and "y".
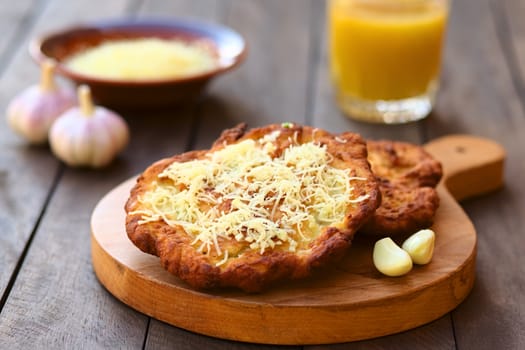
{"x": 407, "y": 175}
{"x": 260, "y": 206}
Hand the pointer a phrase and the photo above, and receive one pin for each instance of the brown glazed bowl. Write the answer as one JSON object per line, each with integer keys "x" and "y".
{"x": 142, "y": 95}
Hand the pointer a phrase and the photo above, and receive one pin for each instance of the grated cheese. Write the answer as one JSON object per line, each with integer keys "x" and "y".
{"x": 142, "y": 59}
{"x": 241, "y": 193}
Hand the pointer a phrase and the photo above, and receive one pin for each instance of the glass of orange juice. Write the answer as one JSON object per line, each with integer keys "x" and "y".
{"x": 385, "y": 57}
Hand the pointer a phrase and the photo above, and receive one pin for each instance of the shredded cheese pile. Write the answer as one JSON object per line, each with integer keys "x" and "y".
{"x": 140, "y": 59}
{"x": 240, "y": 192}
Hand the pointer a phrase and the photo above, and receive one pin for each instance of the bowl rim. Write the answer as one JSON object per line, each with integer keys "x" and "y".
{"x": 178, "y": 24}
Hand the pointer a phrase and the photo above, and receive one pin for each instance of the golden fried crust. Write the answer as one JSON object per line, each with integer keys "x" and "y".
{"x": 404, "y": 163}
{"x": 407, "y": 176}
{"x": 229, "y": 136}
{"x": 403, "y": 210}
{"x": 252, "y": 271}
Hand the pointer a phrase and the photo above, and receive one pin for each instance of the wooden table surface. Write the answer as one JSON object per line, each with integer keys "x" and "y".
{"x": 50, "y": 297}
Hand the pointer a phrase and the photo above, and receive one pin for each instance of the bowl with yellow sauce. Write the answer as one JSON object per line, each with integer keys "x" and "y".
{"x": 142, "y": 64}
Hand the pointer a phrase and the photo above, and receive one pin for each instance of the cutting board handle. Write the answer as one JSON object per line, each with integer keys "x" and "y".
{"x": 472, "y": 165}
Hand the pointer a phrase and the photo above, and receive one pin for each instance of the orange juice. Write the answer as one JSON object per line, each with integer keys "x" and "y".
{"x": 386, "y": 49}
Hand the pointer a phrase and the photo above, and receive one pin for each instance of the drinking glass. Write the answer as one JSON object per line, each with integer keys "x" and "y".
{"x": 385, "y": 57}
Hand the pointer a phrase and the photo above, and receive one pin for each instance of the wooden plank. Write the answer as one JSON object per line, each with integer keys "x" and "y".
{"x": 64, "y": 236}
{"x": 477, "y": 92}
{"x": 164, "y": 336}
{"x": 425, "y": 337}
{"x": 58, "y": 265}
{"x": 205, "y": 10}
{"x": 56, "y": 301}
{"x": 480, "y": 98}
{"x": 15, "y": 19}
{"x": 26, "y": 173}
{"x": 513, "y": 11}
{"x": 271, "y": 86}
{"x": 510, "y": 29}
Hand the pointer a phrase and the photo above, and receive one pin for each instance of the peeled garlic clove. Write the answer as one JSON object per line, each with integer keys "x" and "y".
{"x": 390, "y": 259}
{"x": 420, "y": 246}
{"x": 32, "y": 112}
{"x": 88, "y": 135}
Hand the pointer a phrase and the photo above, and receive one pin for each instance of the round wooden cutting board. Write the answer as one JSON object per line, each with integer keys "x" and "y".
{"x": 347, "y": 302}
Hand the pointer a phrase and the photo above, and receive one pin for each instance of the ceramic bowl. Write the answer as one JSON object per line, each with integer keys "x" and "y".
{"x": 228, "y": 45}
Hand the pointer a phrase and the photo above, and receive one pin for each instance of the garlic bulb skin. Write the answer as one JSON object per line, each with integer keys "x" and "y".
{"x": 88, "y": 135}
{"x": 32, "y": 112}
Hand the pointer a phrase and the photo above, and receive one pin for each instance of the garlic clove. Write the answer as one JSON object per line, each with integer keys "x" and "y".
{"x": 390, "y": 259}
{"x": 420, "y": 246}
{"x": 32, "y": 112}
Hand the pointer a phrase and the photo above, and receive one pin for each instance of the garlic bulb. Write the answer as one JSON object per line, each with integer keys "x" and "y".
{"x": 88, "y": 135}
{"x": 33, "y": 111}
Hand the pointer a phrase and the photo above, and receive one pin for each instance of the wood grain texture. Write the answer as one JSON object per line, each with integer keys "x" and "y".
{"x": 16, "y": 19}
{"x": 57, "y": 274}
{"x": 485, "y": 173}
{"x": 26, "y": 173}
{"x": 424, "y": 337}
{"x": 479, "y": 96}
{"x": 56, "y": 302}
{"x": 510, "y": 30}
{"x": 56, "y": 297}
{"x": 271, "y": 86}
{"x": 202, "y": 9}
{"x": 164, "y": 336}
{"x": 350, "y": 302}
